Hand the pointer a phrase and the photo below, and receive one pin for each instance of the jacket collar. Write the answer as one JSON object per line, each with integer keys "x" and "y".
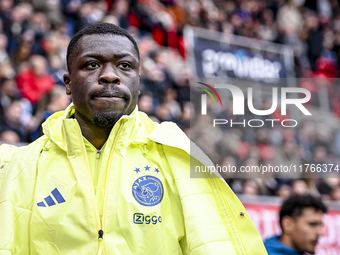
{"x": 275, "y": 246}
{"x": 64, "y": 131}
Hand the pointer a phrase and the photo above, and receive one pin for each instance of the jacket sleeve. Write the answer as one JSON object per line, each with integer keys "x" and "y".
{"x": 16, "y": 200}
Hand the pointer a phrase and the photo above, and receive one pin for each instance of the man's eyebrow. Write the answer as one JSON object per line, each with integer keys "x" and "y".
{"x": 95, "y": 55}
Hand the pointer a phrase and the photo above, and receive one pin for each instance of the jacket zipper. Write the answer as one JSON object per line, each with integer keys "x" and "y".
{"x": 100, "y": 232}
{"x": 97, "y": 167}
{"x": 236, "y": 224}
{"x": 102, "y": 244}
{"x": 108, "y": 180}
{"x": 90, "y": 182}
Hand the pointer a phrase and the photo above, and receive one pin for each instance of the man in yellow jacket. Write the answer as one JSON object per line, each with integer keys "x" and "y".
{"x": 105, "y": 179}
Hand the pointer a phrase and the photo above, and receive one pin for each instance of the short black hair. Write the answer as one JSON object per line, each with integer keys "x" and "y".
{"x": 96, "y": 29}
{"x": 294, "y": 205}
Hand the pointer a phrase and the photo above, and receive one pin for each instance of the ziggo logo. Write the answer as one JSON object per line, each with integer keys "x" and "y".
{"x": 140, "y": 218}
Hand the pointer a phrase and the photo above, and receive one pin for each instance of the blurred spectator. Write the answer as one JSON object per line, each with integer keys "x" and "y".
{"x": 20, "y": 56}
{"x": 183, "y": 121}
{"x": 288, "y": 155}
{"x": 5, "y": 13}
{"x": 145, "y": 103}
{"x": 335, "y": 195}
{"x": 9, "y": 136}
{"x": 8, "y": 93}
{"x": 319, "y": 155}
{"x": 19, "y": 23}
{"x": 57, "y": 70}
{"x": 70, "y": 10}
{"x": 301, "y": 221}
{"x": 52, "y": 9}
{"x": 56, "y": 100}
{"x": 163, "y": 112}
{"x": 251, "y": 188}
{"x": 174, "y": 107}
{"x": 315, "y": 36}
{"x": 12, "y": 121}
{"x": 299, "y": 187}
{"x": 121, "y": 12}
{"x": 268, "y": 30}
{"x": 284, "y": 191}
{"x": 327, "y": 186}
{"x": 4, "y": 58}
{"x": 182, "y": 86}
{"x": 34, "y": 82}
{"x": 289, "y": 19}
{"x": 305, "y": 137}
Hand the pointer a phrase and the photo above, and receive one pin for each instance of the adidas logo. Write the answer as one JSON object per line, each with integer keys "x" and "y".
{"x": 50, "y": 201}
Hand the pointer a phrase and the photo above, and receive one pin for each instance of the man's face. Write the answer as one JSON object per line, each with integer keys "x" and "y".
{"x": 103, "y": 79}
{"x": 306, "y": 230}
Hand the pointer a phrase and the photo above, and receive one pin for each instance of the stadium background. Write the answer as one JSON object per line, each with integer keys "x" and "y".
{"x": 34, "y": 35}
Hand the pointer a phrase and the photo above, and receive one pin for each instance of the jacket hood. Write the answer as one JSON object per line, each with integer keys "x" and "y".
{"x": 55, "y": 126}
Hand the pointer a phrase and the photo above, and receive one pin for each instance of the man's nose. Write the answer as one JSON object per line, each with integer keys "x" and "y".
{"x": 108, "y": 75}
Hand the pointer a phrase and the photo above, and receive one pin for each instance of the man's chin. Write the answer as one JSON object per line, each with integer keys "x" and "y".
{"x": 106, "y": 119}
{"x": 310, "y": 251}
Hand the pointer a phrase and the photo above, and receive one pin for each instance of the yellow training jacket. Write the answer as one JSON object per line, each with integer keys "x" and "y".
{"x": 149, "y": 203}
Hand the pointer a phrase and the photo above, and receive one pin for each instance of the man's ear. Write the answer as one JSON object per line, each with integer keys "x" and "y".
{"x": 67, "y": 81}
{"x": 288, "y": 225}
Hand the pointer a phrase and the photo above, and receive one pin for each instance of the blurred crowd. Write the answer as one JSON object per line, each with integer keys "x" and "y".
{"x": 310, "y": 150}
{"x": 34, "y": 35}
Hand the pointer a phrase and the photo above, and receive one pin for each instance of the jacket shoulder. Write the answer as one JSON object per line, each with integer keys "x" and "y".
{"x": 7, "y": 151}
{"x": 168, "y": 133}
{"x": 13, "y": 159}
{"x": 27, "y": 152}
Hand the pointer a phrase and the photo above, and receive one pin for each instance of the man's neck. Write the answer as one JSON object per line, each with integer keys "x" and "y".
{"x": 96, "y": 137}
{"x": 95, "y": 134}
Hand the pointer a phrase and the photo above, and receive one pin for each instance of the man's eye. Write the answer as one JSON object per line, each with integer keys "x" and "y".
{"x": 92, "y": 65}
{"x": 125, "y": 65}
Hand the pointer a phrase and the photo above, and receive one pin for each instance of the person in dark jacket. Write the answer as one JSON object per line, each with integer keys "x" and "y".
{"x": 301, "y": 223}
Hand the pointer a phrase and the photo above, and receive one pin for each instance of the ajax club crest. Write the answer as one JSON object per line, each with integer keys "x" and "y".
{"x": 148, "y": 190}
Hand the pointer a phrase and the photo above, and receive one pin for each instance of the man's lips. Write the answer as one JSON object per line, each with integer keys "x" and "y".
{"x": 107, "y": 95}
{"x": 315, "y": 243}
{"x": 109, "y": 99}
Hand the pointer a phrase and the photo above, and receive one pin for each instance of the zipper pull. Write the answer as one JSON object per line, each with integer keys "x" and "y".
{"x": 100, "y": 245}
{"x": 98, "y": 154}
{"x": 100, "y": 234}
